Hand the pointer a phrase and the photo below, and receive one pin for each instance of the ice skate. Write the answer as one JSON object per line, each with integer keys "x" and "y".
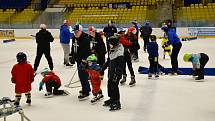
{"x": 48, "y": 95}
{"x": 97, "y": 98}
{"x": 83, "y": 97}
{"x": 122, "y": 82}
{"x": 28, "y": 102}
{"x": 156, "y": 76}
{"x": 199, "y": 79}
{"x": 107, "y": 102}
{"x": 173, "y": 73}
{"x": 115, "y": 106}
{"x": 149, "y": 76}
{"x": 132, "y": 82}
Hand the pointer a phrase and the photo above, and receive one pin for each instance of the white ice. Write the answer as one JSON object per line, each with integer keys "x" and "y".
{"x": 170, "y": 98}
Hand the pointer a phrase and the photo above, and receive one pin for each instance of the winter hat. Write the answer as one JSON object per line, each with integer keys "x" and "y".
{"x": 77, "y": 27}
{"x": 121, "y": 30}
{"x": 42, "y": 26}
{"x": 164, "y": 27}
{"x": 91, "y": 29}
{"x": 153, "y": 38}
{"x": 92, "y": 58}
{"x": 186, "y": 57}
{"x": 114, "y": 40}
{"x": 134, "y": 21}
{"x": 45, "y": 71}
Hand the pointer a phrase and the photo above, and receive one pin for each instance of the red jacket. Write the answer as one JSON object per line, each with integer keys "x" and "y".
{"x": 51, "y": 76}
{"x": 22, "y": 76}
{"x": 124, "y": 41}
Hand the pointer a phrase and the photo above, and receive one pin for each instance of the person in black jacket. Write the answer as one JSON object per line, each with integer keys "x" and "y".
{"x": 109, "y": 31}
{"x": 80, "y": 51}
{"x": 146, "y": 31}
{"x": 115, "y": 70}
{"x": 43, "y": 39}
{"x": 98, "y": 45}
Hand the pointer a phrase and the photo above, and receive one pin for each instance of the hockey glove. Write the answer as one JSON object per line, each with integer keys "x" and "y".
{"x": 84, "y": 65}
{"x": 41, "y": 85}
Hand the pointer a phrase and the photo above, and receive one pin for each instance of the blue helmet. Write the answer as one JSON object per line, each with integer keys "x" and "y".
{"x": 121, "y": 30}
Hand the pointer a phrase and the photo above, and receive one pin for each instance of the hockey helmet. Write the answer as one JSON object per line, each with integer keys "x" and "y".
{"x": 186, "y": 57}
{"x": 153, "y": 38}
{"x": 114, "y": 40}
{"x": 21, "y": 57}
{"x": 92, "y": 58}
{"x": 91, "y": 29}
{"x": 45, "y": 71}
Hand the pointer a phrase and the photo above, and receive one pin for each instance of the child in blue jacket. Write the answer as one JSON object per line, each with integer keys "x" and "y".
{"x": 152, "y": 49}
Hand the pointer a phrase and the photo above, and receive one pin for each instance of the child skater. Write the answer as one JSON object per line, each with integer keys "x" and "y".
{"x": 166, "y": 48}
{"x": 152, "y": 49}
{"x": 127, "y": 58}
{"x": 115, "y": 70}
{"x": 93, "y": 69}
{"x": 22, "y": 77}
{"x": 51, "y": 80}
{"x": 198, "y": 61}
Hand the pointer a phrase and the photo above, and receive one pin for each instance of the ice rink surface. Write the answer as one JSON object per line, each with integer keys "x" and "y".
{"x": 170, "y": 98}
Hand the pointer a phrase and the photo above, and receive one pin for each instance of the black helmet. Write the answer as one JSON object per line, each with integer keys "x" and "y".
{"x": 21, "y": 57}
{"x": 114, "y": 40}
{"x": 153, "y": 38}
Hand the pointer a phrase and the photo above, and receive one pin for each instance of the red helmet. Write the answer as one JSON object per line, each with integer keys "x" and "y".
{"x": 132, "y": 30}
{"x": 91, "y": 29}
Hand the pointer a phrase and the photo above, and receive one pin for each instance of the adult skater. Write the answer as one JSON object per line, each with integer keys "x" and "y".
{"x": 173, "y": 40}
{"x": 80, "y": 51}
{"x": 43, "y": 39}
{"x": 65, "y": 36}
{"x": 145, "y": 31}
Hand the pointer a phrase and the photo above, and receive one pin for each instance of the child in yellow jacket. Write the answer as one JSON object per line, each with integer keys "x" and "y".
{"x": 166, "y": 48}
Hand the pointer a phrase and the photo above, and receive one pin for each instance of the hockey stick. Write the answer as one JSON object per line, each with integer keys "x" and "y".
{"x": 70, "y": 82}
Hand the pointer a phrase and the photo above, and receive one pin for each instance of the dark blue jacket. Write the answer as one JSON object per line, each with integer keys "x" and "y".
{"x": 152, "y": 49}
{"x": 65, "y": 34}
{"x": 109, "y": 30}
{"x": 172, "y": 37}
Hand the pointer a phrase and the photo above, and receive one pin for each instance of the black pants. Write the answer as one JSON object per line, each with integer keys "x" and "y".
{"x": 127, "y": 59}
{"x": 203, "y": 61}
{"x": 50, "y": 85}
{"x": 40, "y": 52}
{"x": 146, "y": 41}
{"x": 113, "y": 90}
{"x": 174, "y": 56}
{"x": 153, "y": 67}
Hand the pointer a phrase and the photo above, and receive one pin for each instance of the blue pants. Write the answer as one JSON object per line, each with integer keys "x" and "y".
{"x": 83, "y": 76}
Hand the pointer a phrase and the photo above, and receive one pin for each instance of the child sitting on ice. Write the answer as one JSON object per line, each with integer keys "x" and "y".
{"x": 51, "y": 80}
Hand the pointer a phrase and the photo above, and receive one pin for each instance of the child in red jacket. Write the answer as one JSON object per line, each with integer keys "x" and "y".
{"x": 22, "y": 77}
{"x": 51, "y": 80}
{"x": 91, "y": 67}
